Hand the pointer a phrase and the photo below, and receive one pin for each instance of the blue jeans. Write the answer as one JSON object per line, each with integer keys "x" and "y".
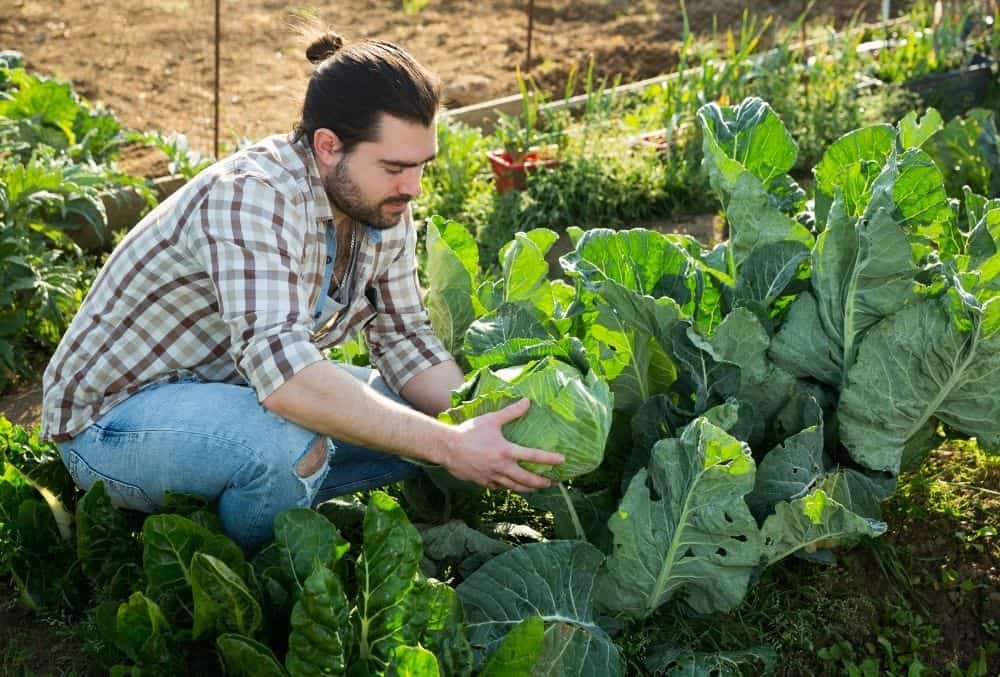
{"x": 217, "y": 441}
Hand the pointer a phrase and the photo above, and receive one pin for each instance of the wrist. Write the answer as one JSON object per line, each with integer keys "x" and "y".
{"x": 443, "y": 449}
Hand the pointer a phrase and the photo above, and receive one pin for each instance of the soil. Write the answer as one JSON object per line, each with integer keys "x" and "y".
{"x": 151, "y": 61}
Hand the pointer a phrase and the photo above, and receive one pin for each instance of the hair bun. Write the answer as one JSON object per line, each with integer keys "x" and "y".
{"x": 324, "y": 47}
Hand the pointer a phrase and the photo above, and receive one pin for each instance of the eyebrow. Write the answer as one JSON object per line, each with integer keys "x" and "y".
{"x": 404, "y": 164}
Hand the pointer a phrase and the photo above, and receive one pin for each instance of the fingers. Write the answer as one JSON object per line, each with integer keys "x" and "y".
{"x": 512, "y": 411}
{"x": 537, "y": 456}
{"x": 525, "y": 478}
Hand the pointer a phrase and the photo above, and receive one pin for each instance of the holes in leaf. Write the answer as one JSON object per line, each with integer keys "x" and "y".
{"x": 689, "y": 552}
{"x": 728, "y": 517}
{"x": 742, "y": 538}
{"x": 721, "y": 552}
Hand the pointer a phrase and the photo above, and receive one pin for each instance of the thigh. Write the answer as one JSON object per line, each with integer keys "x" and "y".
{"x": 189, "y": 437}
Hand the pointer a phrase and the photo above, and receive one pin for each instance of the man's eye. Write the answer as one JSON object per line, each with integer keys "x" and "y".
{"x": 395, "y": 171}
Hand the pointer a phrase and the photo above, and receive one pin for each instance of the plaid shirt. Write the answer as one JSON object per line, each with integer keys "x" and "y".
{"x": 221, "y": 281}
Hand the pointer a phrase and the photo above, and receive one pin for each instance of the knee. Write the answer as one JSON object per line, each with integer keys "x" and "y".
{"x": 313, "y": 461}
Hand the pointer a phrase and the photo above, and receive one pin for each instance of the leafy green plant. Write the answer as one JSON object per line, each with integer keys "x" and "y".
{"x": 184, "y": 160}
{"x": 40, "y": 111}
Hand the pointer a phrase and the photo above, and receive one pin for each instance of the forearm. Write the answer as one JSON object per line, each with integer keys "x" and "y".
{"x": 430, "y": 390}
{"x": 324, "y": 398}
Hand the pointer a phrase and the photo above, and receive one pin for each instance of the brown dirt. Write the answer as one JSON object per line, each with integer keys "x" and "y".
{"x": 23, "y": 404}
{"x": 949, "y": 554}
{"x": 151, "y": 61}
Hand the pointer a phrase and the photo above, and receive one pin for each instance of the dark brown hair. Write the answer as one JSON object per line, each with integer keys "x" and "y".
{"x": 352, "y": 85}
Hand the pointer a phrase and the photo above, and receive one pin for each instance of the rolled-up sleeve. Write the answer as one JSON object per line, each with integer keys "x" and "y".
{"x": 400, "y": 338}
{"x": 250, "y": 241}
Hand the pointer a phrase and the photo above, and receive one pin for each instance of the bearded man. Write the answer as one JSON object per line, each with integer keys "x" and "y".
{"x": 196, "y": 363}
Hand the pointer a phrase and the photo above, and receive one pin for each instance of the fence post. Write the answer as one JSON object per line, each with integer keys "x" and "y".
{"x": 218, "y": 40}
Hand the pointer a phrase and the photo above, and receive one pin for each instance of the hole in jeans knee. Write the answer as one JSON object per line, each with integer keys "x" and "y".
{"x": 315, "y": 460}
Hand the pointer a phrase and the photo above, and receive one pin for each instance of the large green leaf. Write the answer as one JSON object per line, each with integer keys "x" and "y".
{"x": 305, "y": 538}
{"x": 641, "y": 261}
{"x": 811, "y": 522}
{"x": 515, "y": 333}
{"x": 525, "y": 270}
{"x": 412, "y": 661}
{"x": 850, "y": 166}
{"x": 746, "y": 138}
{"x": 791, "y": 469}
{"x": 755, "y": 222}
{"x": 385, "y": 574}
{"x": 452, "y": 269}
{"x": 222, "y": 602}
{"x": 170, "y": 543}
{"x": 321, "y": 633}
{"x": 748, "y": 152}
{"x": 554, "y": 580}
{"x": 768, "y": 271}
{"x": 435, "y": 621}
{"x": 518, "y": 651}
{"x": 632, "y": 361}
{"x": 457, "y": 544}
{"x": 764, "y": 388}
{"x": 921, "y": 201}
{"x": 50, "y": 101}
{"x": 863, "y": 271}
{"x": 929, "y": 364}
{"x": 245, "y": 657}
{"x": 141, "y": 630}
{"x": 683, "y": 527}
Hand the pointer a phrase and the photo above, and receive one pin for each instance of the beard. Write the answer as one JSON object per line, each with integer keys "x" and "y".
{"x": 346, "y": 195}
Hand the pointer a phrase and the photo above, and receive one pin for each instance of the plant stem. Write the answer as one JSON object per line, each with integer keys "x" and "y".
{"x": 580, "y": 534}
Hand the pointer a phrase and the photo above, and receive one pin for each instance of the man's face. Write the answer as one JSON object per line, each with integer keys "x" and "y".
{"x": 375, "y": 182}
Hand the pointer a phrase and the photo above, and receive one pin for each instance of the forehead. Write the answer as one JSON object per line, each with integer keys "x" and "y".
{"x": 401, "y": 140}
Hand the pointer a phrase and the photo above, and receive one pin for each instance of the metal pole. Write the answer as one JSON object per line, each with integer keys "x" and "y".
{"x": 531, "y": 26}
{"x": 218, "y": 41}
{"x": 885, "y": 9}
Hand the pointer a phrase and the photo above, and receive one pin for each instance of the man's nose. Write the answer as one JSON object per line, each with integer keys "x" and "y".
{"x": 411, "y": 182}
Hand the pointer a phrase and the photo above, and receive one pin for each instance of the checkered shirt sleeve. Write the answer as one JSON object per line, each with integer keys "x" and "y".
{"x": 400, "y": 338}
{"x": 249, "y": 240}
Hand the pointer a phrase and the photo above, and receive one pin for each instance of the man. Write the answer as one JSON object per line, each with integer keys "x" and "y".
{"x": 196, "y": 362}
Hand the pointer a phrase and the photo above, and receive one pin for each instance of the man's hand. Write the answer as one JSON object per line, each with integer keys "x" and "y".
{"x": 481, "y": 454}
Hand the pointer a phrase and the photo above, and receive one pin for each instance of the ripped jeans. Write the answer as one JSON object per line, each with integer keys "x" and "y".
{"x": 217, "y": 441}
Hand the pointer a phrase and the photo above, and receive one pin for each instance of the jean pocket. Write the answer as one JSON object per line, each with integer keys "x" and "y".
{"x": 122, "y": 494}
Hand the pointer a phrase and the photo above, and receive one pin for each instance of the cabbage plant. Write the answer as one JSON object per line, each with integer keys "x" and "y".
{"x": 570, "y": 411}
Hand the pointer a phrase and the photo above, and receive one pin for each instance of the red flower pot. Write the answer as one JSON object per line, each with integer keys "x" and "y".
{"x": 510, "y": 175}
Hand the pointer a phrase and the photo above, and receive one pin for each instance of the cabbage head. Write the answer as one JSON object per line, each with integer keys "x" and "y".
{"x": 570, "y": 412}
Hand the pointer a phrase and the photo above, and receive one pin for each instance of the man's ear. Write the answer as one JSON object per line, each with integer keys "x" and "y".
{"x": 327, "y": 147}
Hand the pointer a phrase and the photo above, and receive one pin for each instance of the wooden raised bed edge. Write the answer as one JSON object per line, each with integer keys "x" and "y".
{"x": 484, "y": 115}
{"x": 124, "y": 207}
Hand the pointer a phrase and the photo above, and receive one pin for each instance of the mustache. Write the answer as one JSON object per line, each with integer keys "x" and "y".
{"x": 398, "y": 200}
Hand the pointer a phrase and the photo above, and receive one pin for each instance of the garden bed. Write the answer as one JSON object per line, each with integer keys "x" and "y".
{"x": 476, "y": 47}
